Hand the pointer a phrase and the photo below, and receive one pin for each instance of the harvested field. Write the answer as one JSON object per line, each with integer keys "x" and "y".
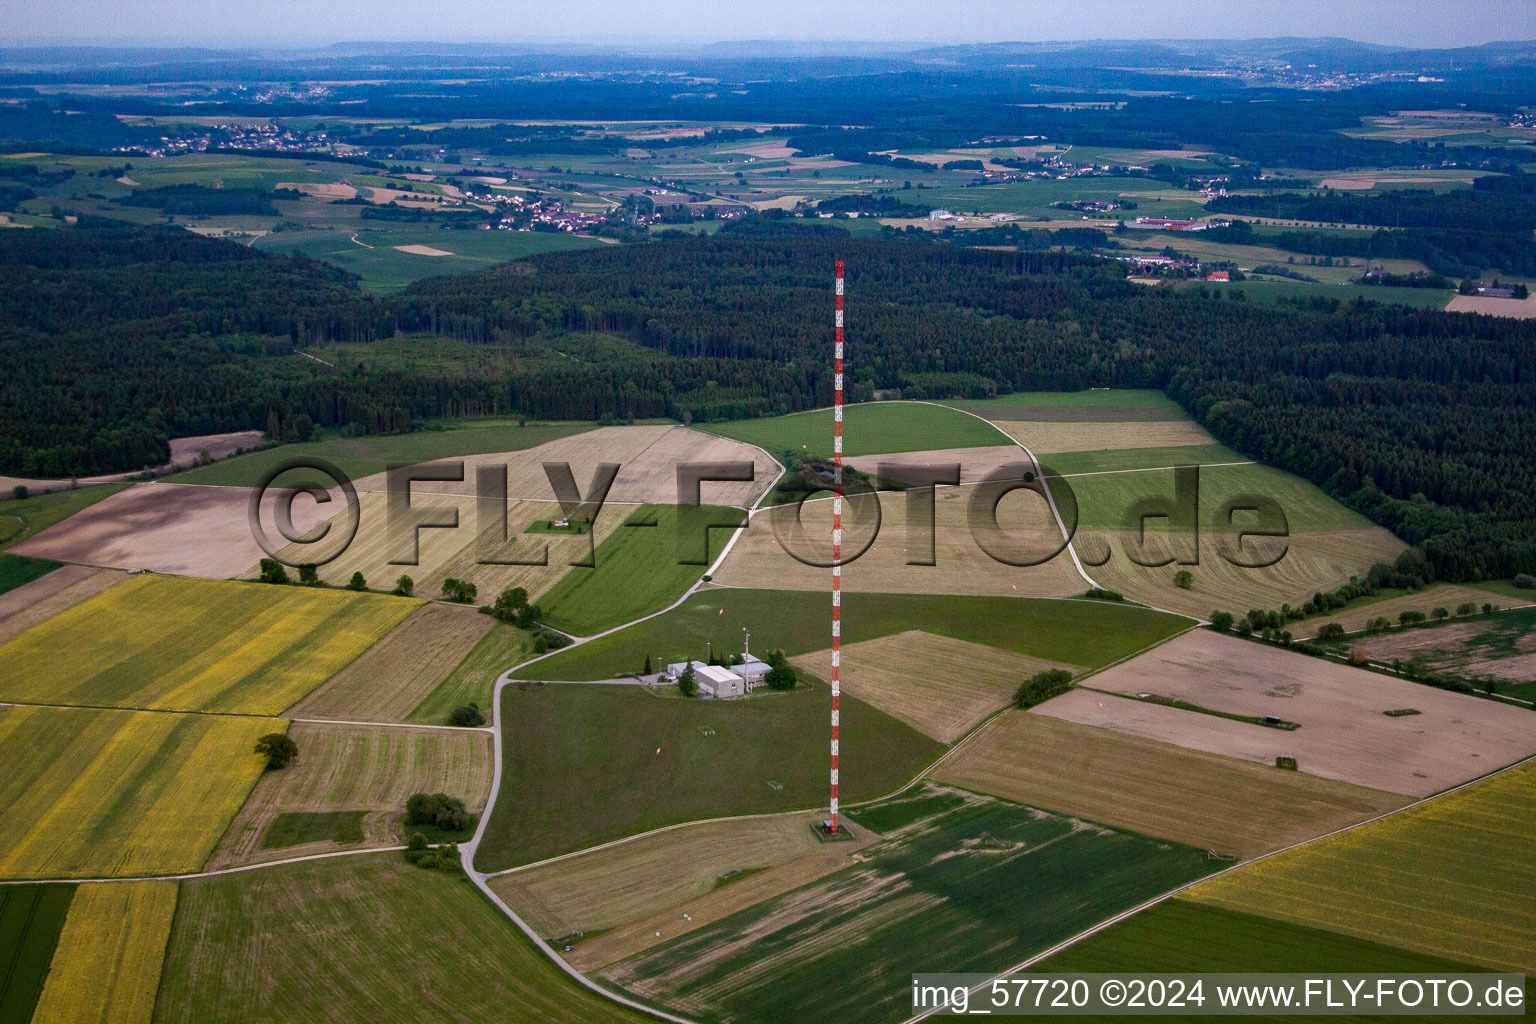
{"x": 474, "y": 678}
{"x": 1501, "y": 646}
{"x": 1452, "y": 878}
{"x": 938, "y": 685}
{"x": 322, "y": 190}
{"x": 961, "y": 566}
{"x": 975, "y": 463}
{"x": 366, "y": 938}
{"x": 1345, "y": 733}
{"x": 170, "y": 528}
{"x": 43, "y": 586}
{"x": 1520, "y": 309}
{"x": 1158, "y": 789}
{"x": 107, "y": 966}
{"x": 1313, "y": 562}
{"x": 423, "y": 250}
{"x": 652, "y": 477}
{"x": 981, "y": 881}
{"x": 1444, "y": 595}
{"x": 180, "y": 644}
{"x": 81, "y": 583}
{"x": 869, "y": 427}
{"x": 389, "y": 679}
{"x": 109, "y": 793}
{"x": 359, "y": 768}
{"x": 647, "y": 885}
{"x": 1042, "y": 436}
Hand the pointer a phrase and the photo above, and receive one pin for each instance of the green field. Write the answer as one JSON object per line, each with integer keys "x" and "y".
{"x": 21, "y": 518}
{"x": 365, "y": 938}
{"x": 975, "y": 886}
{"x": 1088, "y": 633}
{"x": 294, "y": 828}
{"x": 474, "y": 678}
{"x": 587, "y": 764}
{"x": 31, "y": 918}
{"x": 637, "y": 567}
{"x": 1178, "y": 935}
{"x": 1104, "y": 501}
{"x": 869, "y": 428}
{"x": 1116, "y": 459}
{"x": 18, "y": 570}
{"x": 371, "y": 253}
{"x": 362, "y": 456}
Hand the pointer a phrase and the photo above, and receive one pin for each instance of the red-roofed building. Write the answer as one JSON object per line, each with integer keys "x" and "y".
{"x": 1218, "y": 275}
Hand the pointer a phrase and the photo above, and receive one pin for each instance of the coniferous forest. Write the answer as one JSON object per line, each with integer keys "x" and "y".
{"x": 117, "y": 338}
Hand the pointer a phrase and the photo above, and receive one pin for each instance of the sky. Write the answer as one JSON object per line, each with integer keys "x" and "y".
{"x": 1426, "y": 23}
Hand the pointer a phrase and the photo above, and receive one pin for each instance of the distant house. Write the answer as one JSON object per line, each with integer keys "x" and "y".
{"x": 940, "y": 214}
{"x": 713, "y": 680}
{"x": 1218, "y": 275}
{"x": 1163, "y": 224}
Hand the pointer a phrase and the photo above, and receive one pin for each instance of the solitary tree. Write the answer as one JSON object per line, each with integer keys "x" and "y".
{"x": 357, "y": 582}
{"x": 509, "y": 604}
{"x": 1183, "y": 579}
{"x": 19, "y": 492}
{"x": 687, "y": 685}
{"x": 647, "y": 670}
{"x": 279, "y": 749}
{"x": 272, "y": 571}
{"x": 781, "y": 674}
{"x": 308, "y": 574}
{"x": 1221, "y": 621}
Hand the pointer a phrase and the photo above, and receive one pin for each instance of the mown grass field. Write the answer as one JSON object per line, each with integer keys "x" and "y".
{"x": 587, "y": 764}
{"x": 639, "y": 568}
{"x": 31, "y": 918}
{"x": 1179, "y": 935}
{"x": 373, "y": 769}
{"x": 21, "y": 518}
{"x": 1157, "y": 789}
{"x": 383, "y": 268}
{"x": 1449, "y": 878}
{"x": 389, "y": 679}
{"x": 107, "y": 966}
{"x": 17, "y": 570}
{"x": 1116, "y": 459}
{"x": 94, "y": 793}
{"x": 473, "y": 680}
{"x": 362, "y": 456}
{"x": 367, "y": 938}
{"x": 869, "y": 428}
{"x": 972, "y": 882}
{"x": 1087, "y": 633}
{"x": 1094, "y": 397}
{"x": 181, "y": 644}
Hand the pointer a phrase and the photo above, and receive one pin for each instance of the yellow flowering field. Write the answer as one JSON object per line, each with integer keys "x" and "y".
{"x": 106, "y": 969}
{"x": 90, "y": 793}
{"x": 1453, "y": 877}
{"x": 181, "y": 644}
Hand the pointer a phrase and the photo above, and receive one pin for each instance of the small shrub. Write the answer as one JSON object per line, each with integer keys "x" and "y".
{"x": 1288, "y": 763}
{"x": 1410, "y": 618}
{"x": 405, "y": 586}
{"x": 1042, "y": 686}
{"x": 272, "y": 571}
{"x": 1330, "y": 631}
{"x": 1101, "y": 594}
{"x": 1466, "y": 608}
{"x": 1357, "y": 657}
{"x": 308, "y": 574}
{"x": 279, "y": 749}
{"x": 439, "y": 809}
{"x": 468, "y": 715}
{"x": 1525, "y": 581}
{"x": 540, "y": 644}
{"x": 19, "y": 492}
{"x": 1439, "y": 614}
{"x": 1221, "y": 621}
{"x": 1184, "y": 579}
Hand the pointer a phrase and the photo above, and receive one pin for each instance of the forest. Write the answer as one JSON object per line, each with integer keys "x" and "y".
{"x": 1418, "y": 418}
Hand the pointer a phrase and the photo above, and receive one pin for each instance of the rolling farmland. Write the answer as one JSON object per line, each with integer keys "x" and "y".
{"x": 982, "y": 881}
{"x": 1157, "y": 789}
{"x": 1088, "y": 633}
{"x": 372, "y": 769}
{"x": 25, "y": 607}
{"x": 389, "y": 679}
{"x": 183, "y": 644}
{"x": 107, "y": 966}
{"x": 106, "y": 793}
{"x": 936, "y": 684}
{"x": 871, "y": 428}
{"x": 595, "y": 763}
{"x": 473, "y": 680}
{"x": 357, "y": 938}
{"x": 1449, "y": 878}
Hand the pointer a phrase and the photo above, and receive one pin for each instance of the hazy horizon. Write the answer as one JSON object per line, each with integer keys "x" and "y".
{"x": 619, "y": 23}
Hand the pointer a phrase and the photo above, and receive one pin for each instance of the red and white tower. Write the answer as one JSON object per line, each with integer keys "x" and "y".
{"x": 837, "y": 531}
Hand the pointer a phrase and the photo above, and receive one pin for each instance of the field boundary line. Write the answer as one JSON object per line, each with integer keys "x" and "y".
{"x": 1149, "y": 904}
{"x": 236, "y": 869}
